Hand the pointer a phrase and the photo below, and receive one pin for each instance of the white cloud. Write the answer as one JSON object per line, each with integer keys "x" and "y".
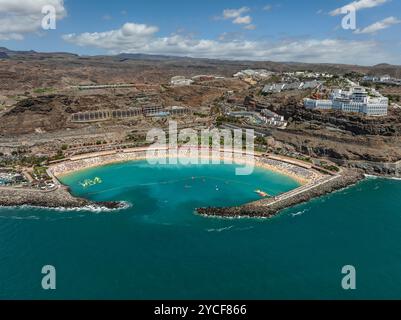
{"x": 358, "y": 5}
{"x": 237, "y": 17}
{"x": 131, "y": 35}
{"x": 138, "y": 38}
{"x": 267, "y": 7}
{"x": 18, "y": 17}
{"x": 243, "y": 20}
{"x": 234, "y": 13}
{"x": 250, "y": 27}
{"x": 380, "y": 25}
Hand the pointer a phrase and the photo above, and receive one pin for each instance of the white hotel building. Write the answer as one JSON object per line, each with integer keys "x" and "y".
{"x": 355, "y": 100}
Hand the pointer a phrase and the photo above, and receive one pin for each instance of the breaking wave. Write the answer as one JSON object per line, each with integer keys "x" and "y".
{"x": 220, "y": 230}
{"x": 299, "y": 213}
{"x": 90, "y": 208}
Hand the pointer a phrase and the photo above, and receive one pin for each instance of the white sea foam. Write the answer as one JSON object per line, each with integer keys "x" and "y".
{"x": 90, "y": 208}
{"x": 245, "y": 228}
{"x": 299, "y": 213}
{"x": 221, "y": 229}
{"x": 96, "y": 208}
{"x": 20, "y": 217}
{"x": 382, "y": 177}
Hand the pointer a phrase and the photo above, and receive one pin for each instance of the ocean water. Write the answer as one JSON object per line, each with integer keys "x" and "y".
{"x": 159, "y": 249}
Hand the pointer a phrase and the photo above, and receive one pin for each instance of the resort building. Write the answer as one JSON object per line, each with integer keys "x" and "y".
{"x": 313, "y": 104}
{"x": 265, "y": 117}
{"x": 105, "y": 86}
{"x": 279, "y": 87}
{"x": 386, "y": 79}
{"x": 257, "y": 75}
{"x": 356, "y": 100}
{"x": 180, "y": 81}
{"x": 148, "y": 111}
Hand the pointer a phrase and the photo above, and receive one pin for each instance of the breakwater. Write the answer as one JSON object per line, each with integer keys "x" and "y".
{"x": 59, "y": 198}
{"x": 268, "y": 208}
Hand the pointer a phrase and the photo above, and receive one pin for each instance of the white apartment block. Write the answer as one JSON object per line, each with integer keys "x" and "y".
{"x": 356, "y": 100}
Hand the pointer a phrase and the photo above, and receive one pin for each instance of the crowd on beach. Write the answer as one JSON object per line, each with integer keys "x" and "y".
{"x": 292, "y": 170}
{"x": 71, "y": 166}
{"x": 298, "y": 172}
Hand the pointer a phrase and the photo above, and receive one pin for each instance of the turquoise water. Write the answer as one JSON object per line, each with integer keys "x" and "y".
{"x": 159, "y": 249}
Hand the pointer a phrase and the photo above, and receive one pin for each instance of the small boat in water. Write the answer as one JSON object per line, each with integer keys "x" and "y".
{"x": 262, "y": 193}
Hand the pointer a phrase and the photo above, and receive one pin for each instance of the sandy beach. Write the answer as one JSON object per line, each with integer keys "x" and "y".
{"x": 83, "y": 162}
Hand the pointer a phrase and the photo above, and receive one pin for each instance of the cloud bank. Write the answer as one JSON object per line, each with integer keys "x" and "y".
{"x": 141, "y": 38}
{"x": 380, "y": 25}
{"x": 18, "y": 17}
{"x": 358, "y": 5}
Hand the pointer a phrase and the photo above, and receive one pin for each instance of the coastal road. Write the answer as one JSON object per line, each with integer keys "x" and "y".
{"x": 300, "y": 190}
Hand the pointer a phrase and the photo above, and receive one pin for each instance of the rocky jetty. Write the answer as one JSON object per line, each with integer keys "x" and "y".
{"x": 268, "y": 208}
{"x": 60, "y": 198}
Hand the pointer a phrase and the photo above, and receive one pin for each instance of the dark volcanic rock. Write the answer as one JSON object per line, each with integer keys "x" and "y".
{"x": 263, "y": 209}
{"x": 358, "y": 125}
{"x": 60, "y": 198}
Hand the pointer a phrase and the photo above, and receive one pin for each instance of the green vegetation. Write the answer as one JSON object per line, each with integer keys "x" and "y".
{"x": 39, "y": 170}
{"x": 214, "y": 110}
{"x": 200, "y": 115}
{"x": 135, "y": 138}
{"x": 329, "y": 167}
{"x": 221, "y": 119}
{"x": 261, "y": 141}
{"x": 306, "y": 159}
{"x": 355, "y": 76}
{"x": 333, "y": 168}
{"x": 43, "y": 90}
{"x": 336, "y": 81}
{"x": 273, "y": 79}
{"x": 21, "y": 160}
{"x": 58, "y": 156}
{"x": 393, "y": 97}
{"x": 41, "y": 173}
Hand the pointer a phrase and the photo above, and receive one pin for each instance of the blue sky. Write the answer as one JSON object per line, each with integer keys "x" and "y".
{"x": 279, "y": 30}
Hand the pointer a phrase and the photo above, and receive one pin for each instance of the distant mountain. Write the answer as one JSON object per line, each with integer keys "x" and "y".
{"x": 382, "y": 65}
{"x": 140, "y": 56}
{"x": 12, "y": 53}
{"x": 230, "y": 66}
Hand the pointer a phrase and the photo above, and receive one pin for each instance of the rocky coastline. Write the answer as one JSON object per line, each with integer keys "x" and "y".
{"x": 268, "y": 208}
{"x": 59, "y": 198}
{"x": 313, "y": 186}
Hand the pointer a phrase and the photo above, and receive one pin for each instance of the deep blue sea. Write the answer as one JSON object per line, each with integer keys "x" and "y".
{"x": 158, "y": 248}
